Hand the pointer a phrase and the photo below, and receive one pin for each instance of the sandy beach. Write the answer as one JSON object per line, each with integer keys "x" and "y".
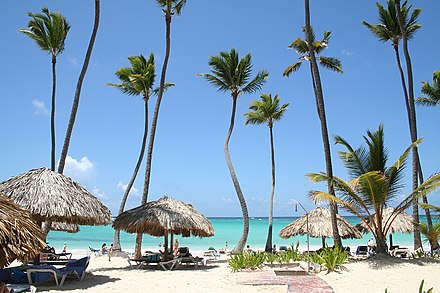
{"x": 371, "y": 275}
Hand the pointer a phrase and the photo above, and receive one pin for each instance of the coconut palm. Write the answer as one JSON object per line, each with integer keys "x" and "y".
{"x": 311, "y": 47}
{"x": 229, "y": 73}
{"x": 398, "y": 23}
{"x": 136, "y": 80}
{"x": 432, "y": 92}
{"x": 76, "y": 98}
{"x": 267, "y": 111}
{"x": 373, "y": 185}
{"x": 169, "y": 8}
{"x": 430, "y": 234}
{"x": 49, "y": 30}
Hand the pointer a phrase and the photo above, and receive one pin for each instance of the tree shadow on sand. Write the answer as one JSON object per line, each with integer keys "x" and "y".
{"x": 385, "y": 261}
{"x": 90, "y": 281}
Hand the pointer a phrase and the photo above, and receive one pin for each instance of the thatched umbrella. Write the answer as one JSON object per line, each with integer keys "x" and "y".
{"x": 51, "y": 196}
{"x": 319, "y": 225}
{"x": 64, "y": 227}
{"x": 20, "y": 237}
{"x": 402, "y": 223}
{"x": 163, "y": 216}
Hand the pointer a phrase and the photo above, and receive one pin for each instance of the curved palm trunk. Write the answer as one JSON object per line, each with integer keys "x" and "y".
{"x": 321, "y": 113}
{"x": 242, "y": 242}
{"x": 52, "y": 114}
{"x": 78, "y": 90}
{"x": 168, "y": 16}
{"x": 413, "y": 125}
{"x": 268, "y": 247}
{"x": 117, "y": 239}
{"x": 434, "y": 244}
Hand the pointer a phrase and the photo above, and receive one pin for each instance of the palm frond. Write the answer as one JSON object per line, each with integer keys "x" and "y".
{"x": 331, "y": 63}
{"x": 292, "y": 68}
{"x": 256, "y": 84}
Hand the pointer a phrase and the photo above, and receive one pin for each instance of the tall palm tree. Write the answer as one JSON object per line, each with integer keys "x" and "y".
{"x": 76, "y": 98}
{"x": 49, "y": 30}
{"x": 432, "y": 92}
{"x": 373, "y": 185}
{"x": 169, "y": 8}
{"x": 267, "y": 111}
{"x": 136, "y": 80}
{"x": 229, "y": 73}
{"x": 333, "y": 64}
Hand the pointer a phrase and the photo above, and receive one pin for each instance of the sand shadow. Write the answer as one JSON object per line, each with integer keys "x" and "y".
{"x": 92, "y": 280}
{"x": 379, "y": 262}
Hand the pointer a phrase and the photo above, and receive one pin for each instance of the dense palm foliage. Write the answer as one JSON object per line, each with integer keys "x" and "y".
{"x": 301, "y": 47}
{"x": 49, "y": 30}
{"x": 77, "y": 96}
{"x": 335, "y": 65}
{"x": 267, "y": 111}
{"x": 431, "y": 91}
{"x": 430, "y": 234}
{"x": 373, "y": 185}
{"x": 233, "y": 74}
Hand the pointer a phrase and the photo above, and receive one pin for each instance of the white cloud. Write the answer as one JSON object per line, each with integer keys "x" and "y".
{"x": 73, "y": 62}
{"x": 346, "y": 52}
{"x": 78, "y": 170}
{"x": 99, "y": 194}
{"x": 133, "y": 191}
{"x": 40, "y": 107}
{"x": 227, "y": 200}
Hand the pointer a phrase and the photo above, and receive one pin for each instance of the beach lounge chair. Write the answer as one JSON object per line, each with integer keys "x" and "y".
{"x": 362, "y": 250}
{"x": 94, "y": 251}
{"x": 170, "y": 264}
{"x": 400, "y": 252}
{"x": 153, "y": 258}
{"x": 40, "y": 274}
{"x": 186, "y": 258}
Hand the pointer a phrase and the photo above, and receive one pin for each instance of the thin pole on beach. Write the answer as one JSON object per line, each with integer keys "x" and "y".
{"x": 308, "y": 237}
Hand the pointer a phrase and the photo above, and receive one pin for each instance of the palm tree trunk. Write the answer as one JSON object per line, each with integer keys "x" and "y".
{"x": 413, "y": 125}
{"x": 324, "y": 132}
{"x": 155, "y": 116}
{"x": 52, "y": 114}
{"x": 268, "y": 247}
{"x": 117, "y": 239}
{"x": 78, "y": 90}
{"x": 242, "y": 242}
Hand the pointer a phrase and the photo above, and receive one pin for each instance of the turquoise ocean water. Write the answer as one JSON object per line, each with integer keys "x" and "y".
{"x": 225, "y": 229}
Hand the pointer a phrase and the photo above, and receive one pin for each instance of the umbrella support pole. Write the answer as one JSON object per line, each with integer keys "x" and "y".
{"x": 165, "y": 245}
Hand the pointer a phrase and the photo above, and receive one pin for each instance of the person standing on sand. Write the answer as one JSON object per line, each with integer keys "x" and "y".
{"x": 110, "y": 252}
{"x": 176, "y": 247}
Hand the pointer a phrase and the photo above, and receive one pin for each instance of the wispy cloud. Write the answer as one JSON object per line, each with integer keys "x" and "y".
{"x": 73, "y": 62}
{"x": 79, "y": 170}
{"x": 346, "y": 52}
{"x": 99, "y": 194}
{"x": 227, "y": 200}
{"x": 133, "y": 191}
{"x": 40, "y": 108}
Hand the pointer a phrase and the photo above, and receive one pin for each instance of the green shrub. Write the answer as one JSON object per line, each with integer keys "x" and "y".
{"x": 271, "y": 257}
{"x": 333, "y": 258}
{"x": 248, "y": 260}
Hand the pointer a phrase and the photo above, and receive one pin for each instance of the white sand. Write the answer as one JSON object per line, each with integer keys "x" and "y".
{"x": 372, "y": 275}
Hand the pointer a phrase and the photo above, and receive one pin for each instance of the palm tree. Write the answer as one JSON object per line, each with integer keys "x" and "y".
{"x": 49, "y": 30}
{"x": 267, "y": 111}
{"x": 136, "y": 80}
{"x": 335, "y": 65}
{"x": 430, "y": 234}
{"x": 76, "y": 98}
{"x": 373, "y": 185}
{"x": 169, "y": 8}
{"x": 432, "y": 92}
{"x": 229, "y": 73}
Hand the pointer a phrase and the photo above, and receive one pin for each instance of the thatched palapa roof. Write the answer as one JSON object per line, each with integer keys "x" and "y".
{"x": 64, "y": 227}
{"x": 49, "y": 195}
{"x": 20, "y": 237}
{"x": 320, "y": 225}
{"x": 403, "y": 222}
{"x": 165, "y": 215}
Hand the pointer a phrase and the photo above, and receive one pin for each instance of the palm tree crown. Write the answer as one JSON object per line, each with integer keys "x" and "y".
{"x": 302, "y": 47}
{"x": 172, "y": 6}
{"x": 49, "y": 30}
{"x": 228, "y": 73}
{"x": 388, "y": 29}
{"x": 137, "y": 79}
{"x": 267, "y": 110}
{"x": 432, "y": 91}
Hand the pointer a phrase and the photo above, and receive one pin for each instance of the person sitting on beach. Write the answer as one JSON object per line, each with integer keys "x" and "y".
{"x": 371, "y": 245}
{"x": 64, "y": 248}
{"x": 176, "y": 247}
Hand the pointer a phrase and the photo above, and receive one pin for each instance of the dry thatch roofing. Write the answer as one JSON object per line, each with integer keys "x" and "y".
{"x": 320, "y": 225}
{"x": 165, "y": 215}
{"x": 64, "y": 227}
{"x": 403, "y": 222}
{"x": 20, "y": 237}
{"x": 49, "y": 195}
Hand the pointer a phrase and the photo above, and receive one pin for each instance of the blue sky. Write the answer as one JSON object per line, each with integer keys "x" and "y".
{"x": 188, "y": 160}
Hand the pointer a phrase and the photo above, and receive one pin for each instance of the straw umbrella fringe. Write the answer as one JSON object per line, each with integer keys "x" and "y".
{"x": 64, "y": 227}
{"x": 320, "y": 226}
{"x": 20, "y": 237}
{"x": 49, "y": 195}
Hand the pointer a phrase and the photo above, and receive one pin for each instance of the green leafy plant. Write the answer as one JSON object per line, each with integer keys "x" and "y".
{"x": 333, "y": 258}
{"x": 248, "y": 260}
{"x": 271, "y": 257}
